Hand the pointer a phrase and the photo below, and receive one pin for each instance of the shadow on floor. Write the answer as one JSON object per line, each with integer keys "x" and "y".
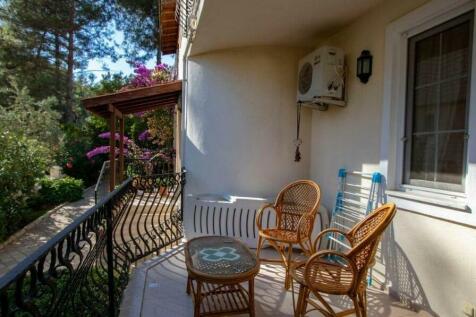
{"x": 162, "y": 292}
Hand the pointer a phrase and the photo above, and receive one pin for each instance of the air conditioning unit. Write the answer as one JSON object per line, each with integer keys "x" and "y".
{"x": 321, "y": 78}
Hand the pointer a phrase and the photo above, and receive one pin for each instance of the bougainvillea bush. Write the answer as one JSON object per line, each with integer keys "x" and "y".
{"x": 145, "y": 77}
{"x": 78, "y": 140}
{"x": 149, "y": 135}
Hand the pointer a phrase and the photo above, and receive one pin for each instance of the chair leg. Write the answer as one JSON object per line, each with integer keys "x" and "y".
{"x": 189, "y": 285}
{"x": 362, "y": 296}
{"x": 260, "y": 246}
{"x": 325, "y": 308}
{"x": 303, "y": 303}
{"x": 358, "y": 310}
{"x": 286, "y": 259}
{"x": 287, "y": 264}
{"x": 298, "y": 303}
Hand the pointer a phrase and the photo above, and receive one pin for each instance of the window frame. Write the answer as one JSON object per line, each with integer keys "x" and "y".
{"x": 452, "y": 206}
{"x": 467, "y": 17}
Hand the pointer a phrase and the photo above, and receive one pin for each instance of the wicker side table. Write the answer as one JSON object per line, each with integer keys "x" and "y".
{"x": 217, "y": 267}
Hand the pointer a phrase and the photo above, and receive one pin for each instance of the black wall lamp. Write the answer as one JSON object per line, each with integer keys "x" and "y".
{"x": 364, "y": 66}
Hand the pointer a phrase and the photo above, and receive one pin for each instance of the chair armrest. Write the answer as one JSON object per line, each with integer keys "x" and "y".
{"x": 326, "y": 231}
{"x": 259, "y": 215}
{"x": 318, "y": 263}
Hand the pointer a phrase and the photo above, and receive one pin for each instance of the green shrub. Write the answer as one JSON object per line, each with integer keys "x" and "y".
{"x": 57, "y": 191}
{"x": 22, "y": 162}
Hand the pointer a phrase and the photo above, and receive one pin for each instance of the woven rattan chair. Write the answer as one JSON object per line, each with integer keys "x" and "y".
{"x": 342, "y": 273}
{"x": 295, "y": 207}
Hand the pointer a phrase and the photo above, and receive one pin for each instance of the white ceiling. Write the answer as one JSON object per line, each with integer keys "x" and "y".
{"x": 238, "y": 23}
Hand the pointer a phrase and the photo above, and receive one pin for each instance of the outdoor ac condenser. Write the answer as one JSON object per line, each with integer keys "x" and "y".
{"x": 321, "y": 77}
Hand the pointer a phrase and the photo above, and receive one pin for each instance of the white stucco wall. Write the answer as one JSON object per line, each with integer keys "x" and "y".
{"x": 240, "y": 122}
{"x": 430, "y": 262}
{"x": 352, "y": 134}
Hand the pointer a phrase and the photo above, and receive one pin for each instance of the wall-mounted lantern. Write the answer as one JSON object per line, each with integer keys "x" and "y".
{"x": 364, "y": 66}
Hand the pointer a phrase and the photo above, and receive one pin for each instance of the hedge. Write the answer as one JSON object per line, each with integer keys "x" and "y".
{"x": 57, "y": 191}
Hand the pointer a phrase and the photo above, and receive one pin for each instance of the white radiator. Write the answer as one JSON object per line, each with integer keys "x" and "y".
{"x": 232, "y": 216}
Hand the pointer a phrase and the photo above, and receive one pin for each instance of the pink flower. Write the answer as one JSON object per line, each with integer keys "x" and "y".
{"x": 144, "y": 136}
{"x": 161, "y": 67}
{"x": 144, "y": 77}
{"x": 102, "y": 150}
{"x": 139, "y": 114}
{"x": 146, "y": 155}
{"x": 107, "y": 135}
{"x": 98, "y": 150}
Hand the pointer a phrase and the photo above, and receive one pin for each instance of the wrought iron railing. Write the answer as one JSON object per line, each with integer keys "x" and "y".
{"x": 152, "y": 166}
{"x": 183, "y": 11}
{"x": 102, "y": 185}
{"x": 84, "y": 269}
{"x": 134, "y": 168}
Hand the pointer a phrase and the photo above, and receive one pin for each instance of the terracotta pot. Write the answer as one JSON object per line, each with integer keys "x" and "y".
{"x": 163, "y": 191}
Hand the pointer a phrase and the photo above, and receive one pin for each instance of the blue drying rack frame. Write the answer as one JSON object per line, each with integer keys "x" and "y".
{"x": 357, "y": 195}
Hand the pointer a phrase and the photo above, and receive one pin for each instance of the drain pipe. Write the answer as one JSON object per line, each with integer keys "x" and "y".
{"x": 184, "y": 103}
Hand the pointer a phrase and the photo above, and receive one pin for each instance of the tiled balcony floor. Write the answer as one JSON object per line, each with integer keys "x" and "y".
{"x": 157, "y": 288}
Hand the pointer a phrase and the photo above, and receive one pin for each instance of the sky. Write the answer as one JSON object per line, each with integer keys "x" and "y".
{"x": 96, "y": 66}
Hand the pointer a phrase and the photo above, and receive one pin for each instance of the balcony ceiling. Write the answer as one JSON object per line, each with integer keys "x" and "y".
{"x": 229, "y": 23}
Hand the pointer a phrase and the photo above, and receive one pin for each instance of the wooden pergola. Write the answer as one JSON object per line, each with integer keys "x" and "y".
{"x": 114, "y": 107}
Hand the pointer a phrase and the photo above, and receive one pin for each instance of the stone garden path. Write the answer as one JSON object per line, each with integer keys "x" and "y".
{"x": 41, "y": 230}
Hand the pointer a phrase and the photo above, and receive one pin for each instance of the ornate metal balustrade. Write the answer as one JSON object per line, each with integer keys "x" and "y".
{"x": 134, "y": 167}
{"x": 84, "y": 269}
{"x": 184, "y": 9}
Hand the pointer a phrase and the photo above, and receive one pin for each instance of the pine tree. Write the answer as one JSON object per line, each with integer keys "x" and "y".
{"x": 139, "y": 20}
{"x": 52, "y": 39}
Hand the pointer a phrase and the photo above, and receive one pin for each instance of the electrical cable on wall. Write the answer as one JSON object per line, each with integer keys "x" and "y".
{"x": 298, "y": 141}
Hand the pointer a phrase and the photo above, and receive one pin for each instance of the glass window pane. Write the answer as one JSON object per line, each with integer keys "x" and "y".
{"x": 450, "y": 158}
{"x": 439, "y": 83}
{"x": 455, "y": 51}
{"x": 423, "y": 157}
{"x": 452, "y": 114}
{"x": 424, "y": 109}
{"x": 427, "y": 57}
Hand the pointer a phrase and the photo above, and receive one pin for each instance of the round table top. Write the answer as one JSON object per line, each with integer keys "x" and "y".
{"x": 220, "y": 258}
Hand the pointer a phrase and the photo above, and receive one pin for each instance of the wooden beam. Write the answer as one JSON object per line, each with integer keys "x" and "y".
{"x": 170, "y": 36}
{"x": 139, "y": 107}
{"x": 112, "y": 109}
{"x": 168, "y": 24}
{"x": 132, "y": 94}
{"x": 148, "y": 103}
{"x": 144, "y": 100}
{"x": 112, "y": 151}
{"x": 168, "y": 15}
{"x": 121, "y": 150}
{"x": 149, "y": 108}
{"x": 169, "y": 50}
{"x": 134, "y": 100}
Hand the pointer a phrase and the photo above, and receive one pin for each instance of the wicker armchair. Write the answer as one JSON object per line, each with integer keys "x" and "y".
{"x": 337, "y": 273}
{"x": 295, "y": 207}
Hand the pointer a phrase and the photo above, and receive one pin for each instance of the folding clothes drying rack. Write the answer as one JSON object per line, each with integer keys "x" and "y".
{"x": 358, "y": 194}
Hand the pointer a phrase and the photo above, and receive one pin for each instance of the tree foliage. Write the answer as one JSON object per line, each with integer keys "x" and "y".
{"x": 109, "y": 83}
{"x": 138, "y": 19}
{"x": 42, "y": 44}
{"x": 33, "y": 119}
